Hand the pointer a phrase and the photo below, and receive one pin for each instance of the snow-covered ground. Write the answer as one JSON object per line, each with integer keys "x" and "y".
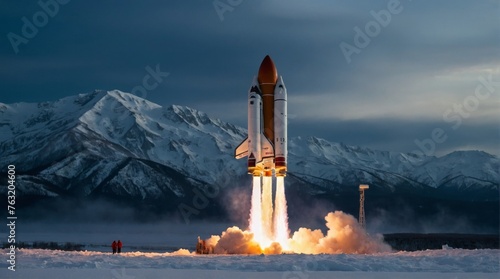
{"x": 139, "y": 262}
{"x": 445, "y": 263}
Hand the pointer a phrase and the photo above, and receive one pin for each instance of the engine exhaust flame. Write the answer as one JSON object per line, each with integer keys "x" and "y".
{"x": 255, "y": 222}
{"x": 280, "y": 214}
{"x": 267, "y": 207}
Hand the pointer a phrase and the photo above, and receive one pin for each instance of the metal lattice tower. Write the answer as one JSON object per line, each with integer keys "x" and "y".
{"x": 362, "y": 189}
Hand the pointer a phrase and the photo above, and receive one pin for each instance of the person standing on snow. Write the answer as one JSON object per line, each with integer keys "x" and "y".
{"x": 114, "y": 246}
{"x": 119, "y": 246}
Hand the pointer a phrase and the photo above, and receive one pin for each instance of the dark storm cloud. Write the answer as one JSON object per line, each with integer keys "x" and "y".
{"x": 426, "y": 59}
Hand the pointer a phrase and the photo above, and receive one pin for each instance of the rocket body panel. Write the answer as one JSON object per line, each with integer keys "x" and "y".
{"x": 254, "y": 129}
{"x": 254, "y": 132}
{"x": 280, "y": 128}
{"x": 267, "y": 147}
{"x": 268, "y": 113}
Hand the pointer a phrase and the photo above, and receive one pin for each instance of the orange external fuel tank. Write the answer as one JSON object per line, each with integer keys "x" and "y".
{"x": 267, "y": 77}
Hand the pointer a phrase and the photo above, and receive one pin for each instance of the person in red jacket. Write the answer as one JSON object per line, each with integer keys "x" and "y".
{"x": 114, "y": 246}
{"x": 119, "y": 245}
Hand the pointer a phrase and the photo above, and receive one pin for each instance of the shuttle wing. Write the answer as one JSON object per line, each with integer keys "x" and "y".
{"x": 242, "y": 150}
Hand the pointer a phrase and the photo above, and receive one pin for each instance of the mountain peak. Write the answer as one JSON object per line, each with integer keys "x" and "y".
{"x": 84, "y": 98}
{"x": 189, "y": 116}
{"x": 466, "y": 153}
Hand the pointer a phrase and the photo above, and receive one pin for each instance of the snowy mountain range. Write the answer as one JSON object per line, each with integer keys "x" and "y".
{"x": 111, "y": 143}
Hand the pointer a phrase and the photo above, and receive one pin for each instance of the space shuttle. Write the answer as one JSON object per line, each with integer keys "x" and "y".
{"x": 266, "y": 144}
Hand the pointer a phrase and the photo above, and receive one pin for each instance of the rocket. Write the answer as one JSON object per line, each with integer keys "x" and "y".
{"x": 266, "y": 144}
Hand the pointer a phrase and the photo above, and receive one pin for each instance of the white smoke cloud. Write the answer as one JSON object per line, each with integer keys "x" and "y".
{"x": 344, "y": 235}
{"x": 234, "y": 241}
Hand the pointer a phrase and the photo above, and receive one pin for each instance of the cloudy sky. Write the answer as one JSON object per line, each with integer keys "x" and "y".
{"x": 398, "y": 76}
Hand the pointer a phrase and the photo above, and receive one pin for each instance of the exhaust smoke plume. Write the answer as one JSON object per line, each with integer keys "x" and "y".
{"x": 344, "y": 234}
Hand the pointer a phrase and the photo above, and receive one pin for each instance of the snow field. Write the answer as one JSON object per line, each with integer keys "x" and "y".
{"x": 63, "y": 273}
{"x": 446, "y": 263}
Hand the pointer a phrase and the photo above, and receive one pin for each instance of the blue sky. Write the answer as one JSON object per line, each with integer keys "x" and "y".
{"x": 426, "y": 77}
